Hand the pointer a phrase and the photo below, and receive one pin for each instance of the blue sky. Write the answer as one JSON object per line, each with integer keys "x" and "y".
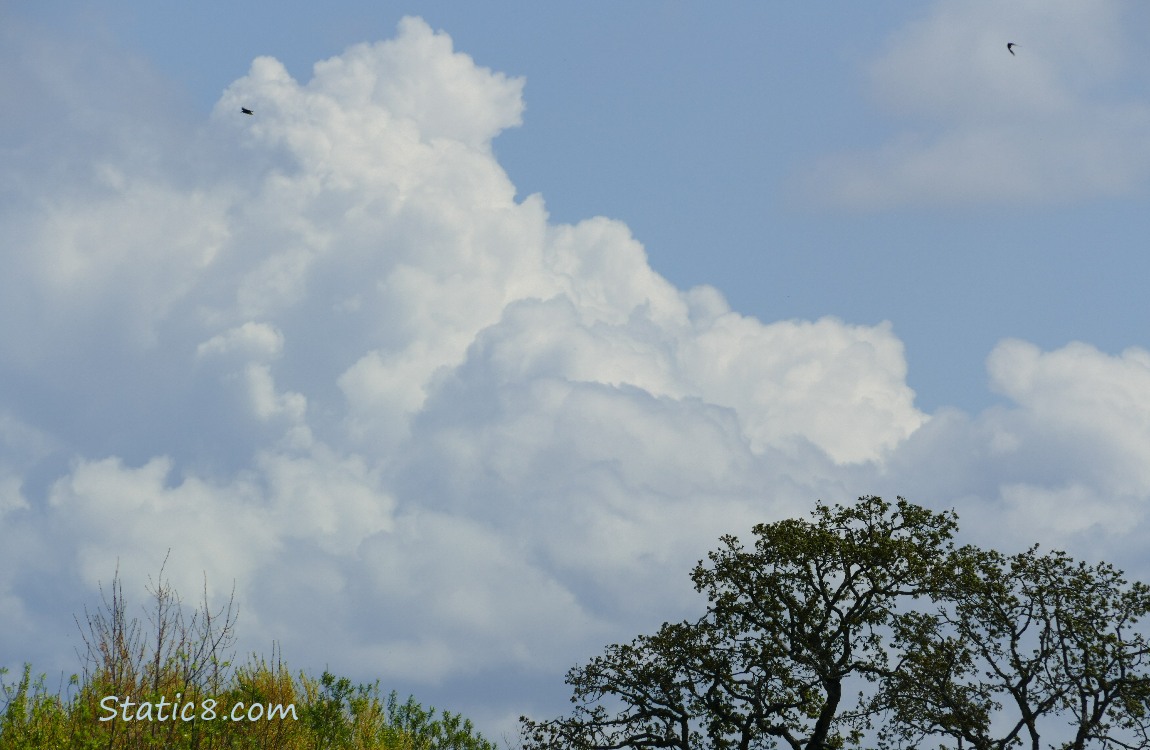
{"x": 451, "y": 309}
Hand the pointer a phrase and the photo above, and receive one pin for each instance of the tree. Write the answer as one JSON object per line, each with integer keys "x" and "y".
{"x": 1020, "y": 648}
{"x": 788, "y": 625}
{"x": 961, "y": 645}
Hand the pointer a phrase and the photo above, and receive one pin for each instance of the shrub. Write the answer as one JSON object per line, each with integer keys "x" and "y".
{"x": 187, "y": 659}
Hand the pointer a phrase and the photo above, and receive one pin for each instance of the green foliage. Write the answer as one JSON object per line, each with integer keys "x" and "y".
{"x": 448, "y": 732}
{"x": 325, "y": 712}
{"x": 32, "y": 713}
{"x": 188, "y": 658}
{"x": 1039, "y": 639}
{"x": 957, "y": 644}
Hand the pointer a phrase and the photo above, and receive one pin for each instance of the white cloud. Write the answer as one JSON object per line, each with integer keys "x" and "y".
{"x": 1063, "y": 463}
{"x": 1093, "y": 405}
{"x": 978, "y": 125}
{"x": 429, "y": 433}
{"x": 1061, "y": 512}
{"x": 258, "y": 341}
{"x": 130, "y": 517}
{"x": 486, "y": 604}
{"x": 11, "y": 496}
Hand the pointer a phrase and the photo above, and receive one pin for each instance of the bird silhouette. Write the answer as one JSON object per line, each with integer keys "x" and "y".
{"x": 1010, "y": 47}
{"x": 247, "y": 111}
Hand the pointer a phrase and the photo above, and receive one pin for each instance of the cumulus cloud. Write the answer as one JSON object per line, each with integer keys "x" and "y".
{"x": 978, "y": 126}
{"x": 1082, "y": 395}
{"x": 432, "y": 436}
{"x": 1063, "y": 463}
{"x": 1090, "y": 411}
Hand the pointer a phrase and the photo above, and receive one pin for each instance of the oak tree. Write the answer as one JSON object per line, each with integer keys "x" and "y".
{"x": 965, "y": 647}
{"x": 790, "y": 623}
{"x": 1020, "y": 650}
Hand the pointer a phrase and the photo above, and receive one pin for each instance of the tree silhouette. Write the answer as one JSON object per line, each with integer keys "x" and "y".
{"x": 1022, "y": 647}
{"x": 960, "y": 644}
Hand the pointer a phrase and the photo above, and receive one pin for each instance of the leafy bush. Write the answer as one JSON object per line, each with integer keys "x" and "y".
{"x": 181, "y": 660}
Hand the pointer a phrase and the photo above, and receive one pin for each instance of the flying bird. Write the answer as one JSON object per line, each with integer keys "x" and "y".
{"x": 247, "y": 111}
{"x": 1009, "y": 48}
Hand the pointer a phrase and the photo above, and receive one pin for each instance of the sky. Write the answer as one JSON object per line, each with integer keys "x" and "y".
{"x": 462, "y": 350}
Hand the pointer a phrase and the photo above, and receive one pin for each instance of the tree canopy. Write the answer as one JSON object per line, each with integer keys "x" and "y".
{"x": 868, "y": 624}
